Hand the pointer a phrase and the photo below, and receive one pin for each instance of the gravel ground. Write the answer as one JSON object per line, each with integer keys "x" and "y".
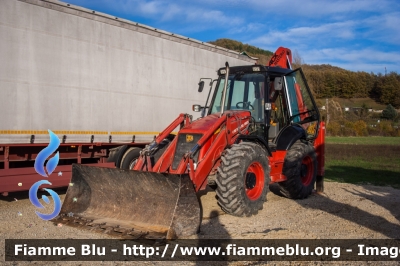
{"x": 344, "y": 211}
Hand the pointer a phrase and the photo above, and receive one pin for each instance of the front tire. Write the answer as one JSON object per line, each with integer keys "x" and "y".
{"x": 243, "y": 179}
{"x": 300, "y": 169}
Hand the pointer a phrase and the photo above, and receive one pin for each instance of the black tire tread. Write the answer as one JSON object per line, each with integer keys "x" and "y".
{"x": 230, "y": 184}
{"x": 293, "y": 188}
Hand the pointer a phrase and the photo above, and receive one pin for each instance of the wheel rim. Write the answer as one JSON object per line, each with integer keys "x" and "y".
{"x": 307, "y": 170}
{"x": 254, "y": 181}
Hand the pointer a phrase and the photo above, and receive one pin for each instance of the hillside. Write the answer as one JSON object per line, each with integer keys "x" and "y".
{"x": 328, "y": 81}
{"x": 263, "y": 55}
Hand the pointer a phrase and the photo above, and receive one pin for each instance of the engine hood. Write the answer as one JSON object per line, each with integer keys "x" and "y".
{"x": 201, "y": 125}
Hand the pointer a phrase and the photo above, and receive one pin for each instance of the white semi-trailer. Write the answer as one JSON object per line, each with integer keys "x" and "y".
{"x": 95, "y": 80}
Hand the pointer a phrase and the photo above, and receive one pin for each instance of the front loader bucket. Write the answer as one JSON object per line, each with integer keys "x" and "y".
{"x": 131, "y": 204}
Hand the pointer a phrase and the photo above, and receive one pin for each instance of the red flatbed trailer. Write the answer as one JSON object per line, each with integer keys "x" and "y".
{"x": 17, "y": 172}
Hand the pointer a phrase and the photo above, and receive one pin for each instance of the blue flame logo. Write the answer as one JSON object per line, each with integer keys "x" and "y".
{"x": 45, "y": 153}
{"x": 35, "y": 201}
{"x": 50, "y": 167}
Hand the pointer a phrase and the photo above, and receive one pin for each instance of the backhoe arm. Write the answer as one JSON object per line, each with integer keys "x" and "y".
{"x": 281, "y": 58}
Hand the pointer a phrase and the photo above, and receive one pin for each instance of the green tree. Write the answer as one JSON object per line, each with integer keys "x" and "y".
{"x": 387, "y": 88}
{"x": 389, "y": 113}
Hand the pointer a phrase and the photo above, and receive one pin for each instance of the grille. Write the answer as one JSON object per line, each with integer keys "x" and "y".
{"x": 185, "y": 143}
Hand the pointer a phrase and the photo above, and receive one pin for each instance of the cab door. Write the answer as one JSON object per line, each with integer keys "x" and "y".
{"x": 302, "y": 108}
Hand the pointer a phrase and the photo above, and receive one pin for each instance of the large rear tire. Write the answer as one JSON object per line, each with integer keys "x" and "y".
{"x": 300, "y": 169}
{"x": 243, "y": 179}
{"x": 130, "y": 158}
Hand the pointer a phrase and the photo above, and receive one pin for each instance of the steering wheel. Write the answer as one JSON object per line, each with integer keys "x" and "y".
{"x": 310, "y": 118}
{"x": 246, "y": 105}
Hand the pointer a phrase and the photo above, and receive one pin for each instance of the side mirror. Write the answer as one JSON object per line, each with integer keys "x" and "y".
{"x": 196, "y": 107}
{"x": 278, "y": 83}
{"x": 201, "y": 86}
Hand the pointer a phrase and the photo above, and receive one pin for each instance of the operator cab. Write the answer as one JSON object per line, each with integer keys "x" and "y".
{"x": 276, "y": 97}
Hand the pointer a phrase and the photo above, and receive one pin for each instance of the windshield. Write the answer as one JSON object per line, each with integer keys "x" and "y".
{"x": 243, "y": 92}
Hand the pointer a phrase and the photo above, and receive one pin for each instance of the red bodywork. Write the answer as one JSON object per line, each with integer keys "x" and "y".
{"x": 282, "y": 58}
{"x": 278, "y": 157}
{"x": 218, "y": 133}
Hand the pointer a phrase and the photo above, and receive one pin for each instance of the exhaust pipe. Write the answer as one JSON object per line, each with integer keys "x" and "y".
{"x": 224, "y": 91}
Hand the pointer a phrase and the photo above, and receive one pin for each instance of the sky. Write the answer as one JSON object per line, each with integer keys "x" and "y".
{"x": 357, "y": 35}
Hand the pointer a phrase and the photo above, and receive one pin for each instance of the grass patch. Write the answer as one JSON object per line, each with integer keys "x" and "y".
{"x": 363, "y": 164}
{"x": 379, "y": 172}
{"x": 364, "y": 140}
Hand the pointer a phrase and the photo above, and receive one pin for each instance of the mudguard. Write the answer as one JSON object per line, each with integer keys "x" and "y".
{"x": 288, "y": 136}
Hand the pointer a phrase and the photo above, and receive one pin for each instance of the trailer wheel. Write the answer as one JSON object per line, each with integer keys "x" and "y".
{"x": 130, "y": 158}
{"x": 243, "y": 179}
{"x": 300, "y": 168}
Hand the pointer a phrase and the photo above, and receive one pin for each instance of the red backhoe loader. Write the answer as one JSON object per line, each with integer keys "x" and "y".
{"x": 261, "y": 126}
